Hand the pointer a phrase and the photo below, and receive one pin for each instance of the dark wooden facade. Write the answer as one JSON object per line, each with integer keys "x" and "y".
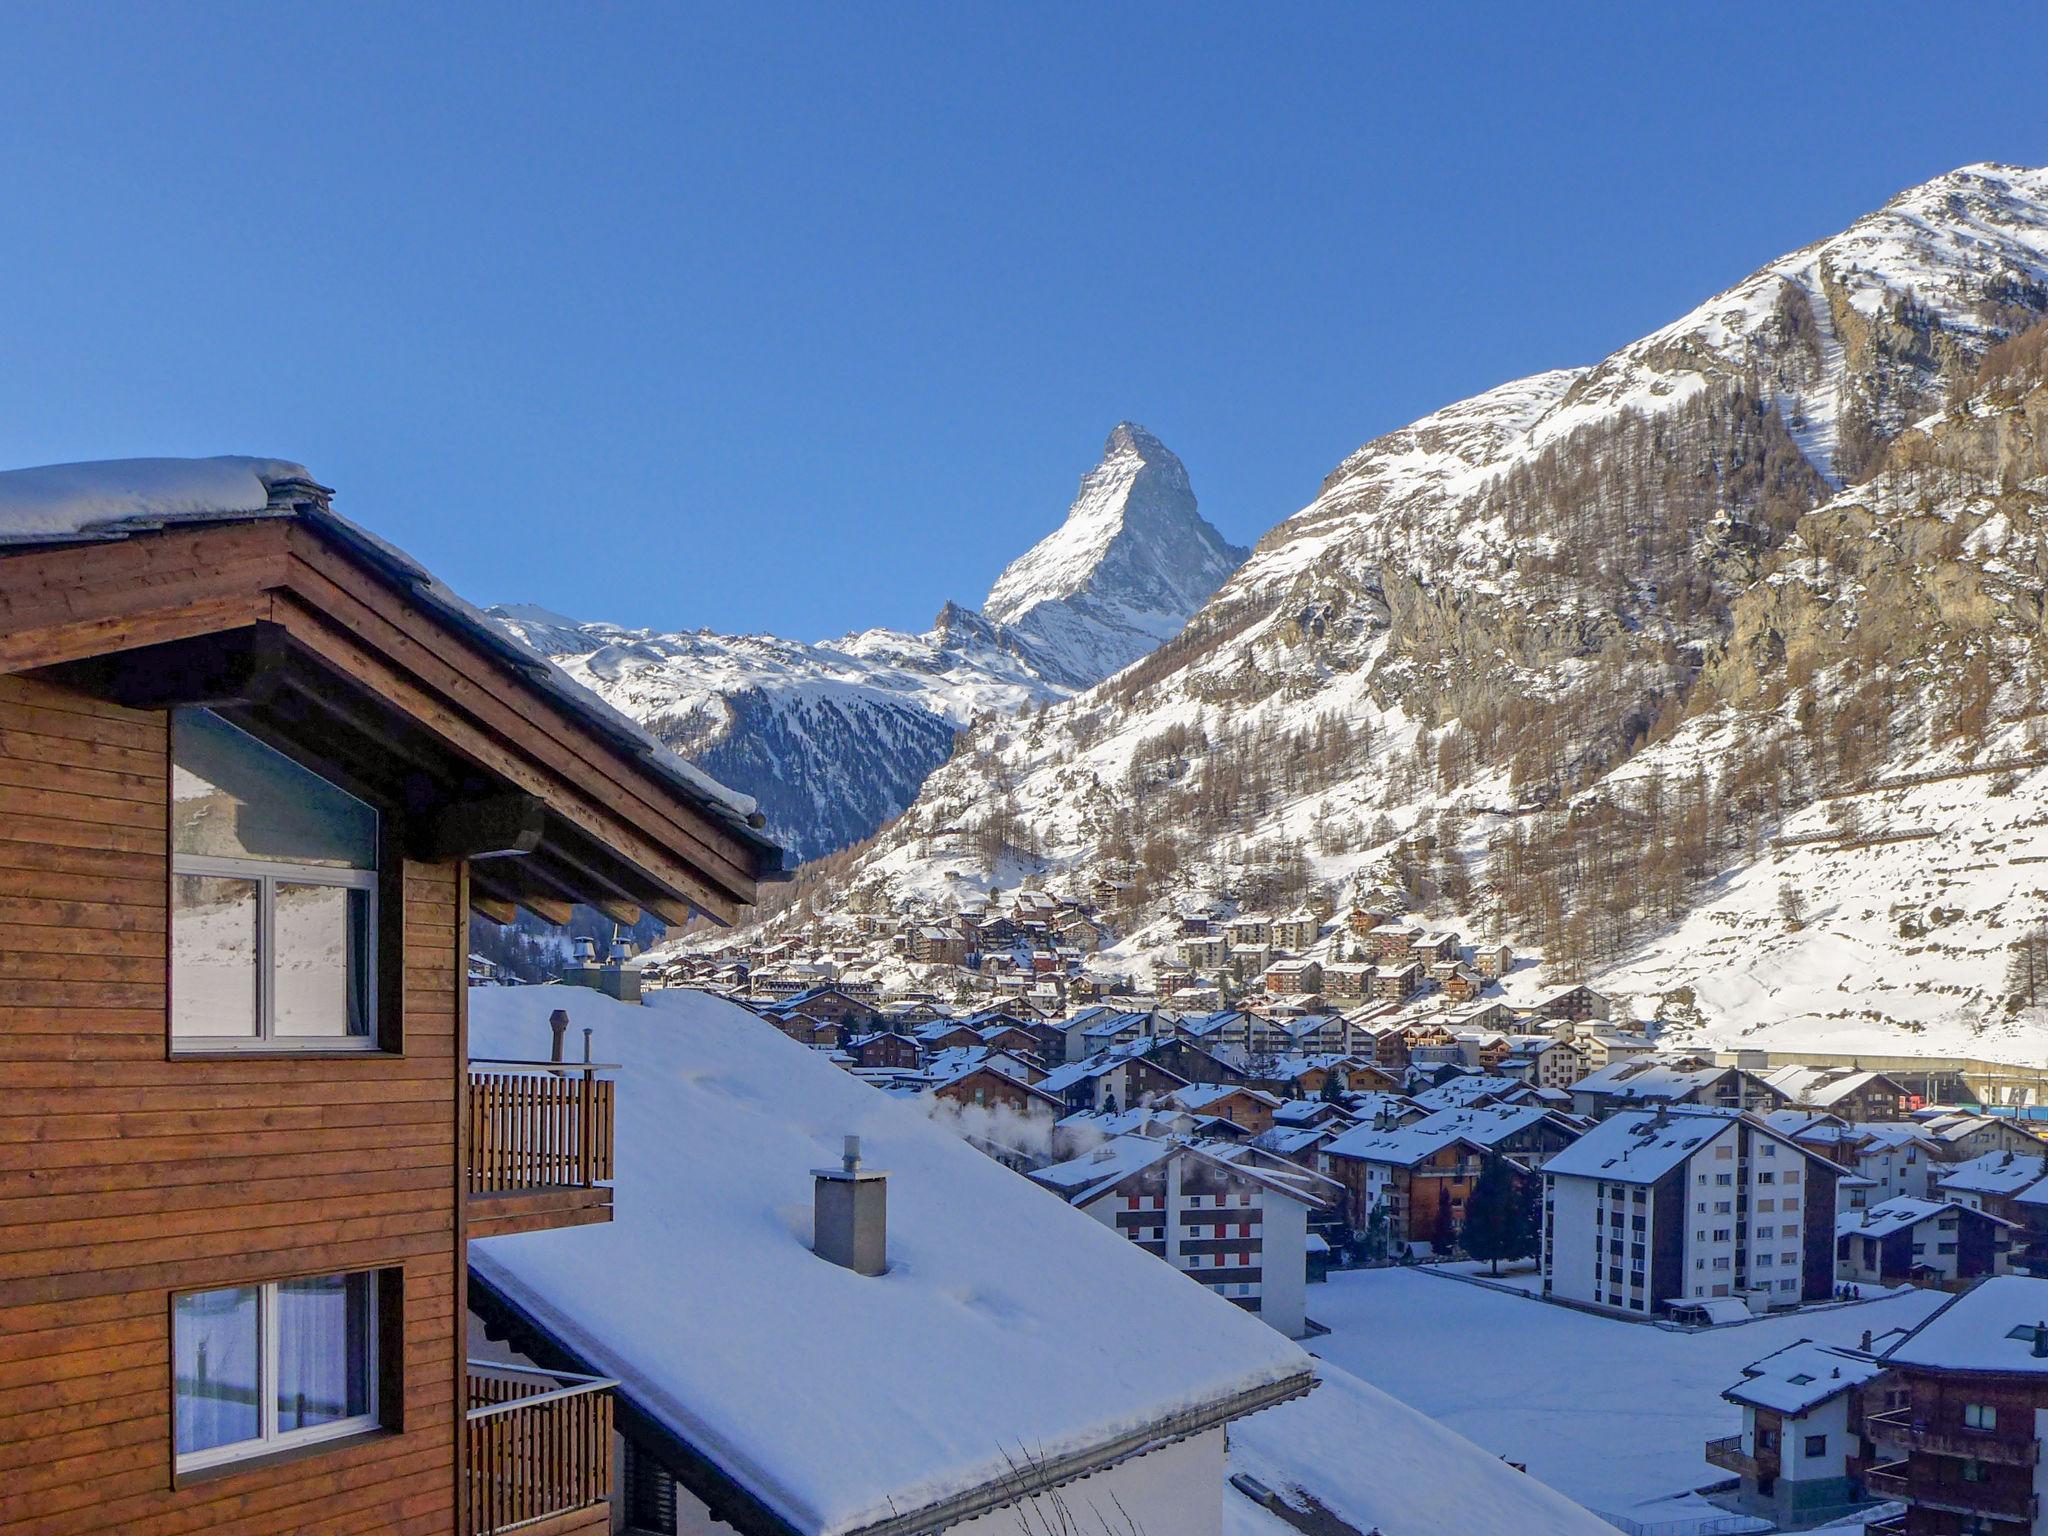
{"x": 130, "y": 1172}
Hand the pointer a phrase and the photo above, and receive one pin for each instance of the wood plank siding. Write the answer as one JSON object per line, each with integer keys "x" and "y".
{"x": 126, "y": 1175}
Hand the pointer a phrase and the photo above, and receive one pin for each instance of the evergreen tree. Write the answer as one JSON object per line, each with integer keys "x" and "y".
{"x": 1333, "y": 1086}
{"x": 1495, "y": 1226}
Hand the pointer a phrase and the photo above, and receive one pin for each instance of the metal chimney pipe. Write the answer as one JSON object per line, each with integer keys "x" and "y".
{"x": 558, "y": 1025}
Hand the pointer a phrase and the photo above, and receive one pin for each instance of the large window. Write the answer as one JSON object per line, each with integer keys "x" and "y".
{"x": 273, "y": 897}
{"x": 259, "y": 1368}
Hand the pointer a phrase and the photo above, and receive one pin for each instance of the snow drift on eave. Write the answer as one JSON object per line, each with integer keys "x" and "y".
{"x": 1008, "y": 1327}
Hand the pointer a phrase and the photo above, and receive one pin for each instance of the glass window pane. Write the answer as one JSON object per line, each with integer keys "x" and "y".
{"x": 323, "y": 1350}
{"x": 213, "y": 957}
{"x": 321, "y": 957}
{"x": 216, "y": 1344}
{"x": 232, "y": 797}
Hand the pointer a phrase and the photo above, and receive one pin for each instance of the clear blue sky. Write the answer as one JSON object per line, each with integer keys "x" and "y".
{"x": 805, "y": 319}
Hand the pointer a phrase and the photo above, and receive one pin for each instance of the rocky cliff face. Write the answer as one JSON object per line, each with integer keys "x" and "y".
{"x": 1484, "y": 659}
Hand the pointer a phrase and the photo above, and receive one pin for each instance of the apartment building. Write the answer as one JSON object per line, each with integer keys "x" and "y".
{"x": 1656, "y": 1207}
{"x": 1242, "y": 1232}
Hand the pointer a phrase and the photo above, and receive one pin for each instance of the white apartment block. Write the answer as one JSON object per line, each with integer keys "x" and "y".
{"x": 1655, "y": 1208}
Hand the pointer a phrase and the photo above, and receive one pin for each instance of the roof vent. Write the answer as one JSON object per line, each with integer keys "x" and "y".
{"x": 2041, "y": 1340}
{"x": 850, "y": 1214}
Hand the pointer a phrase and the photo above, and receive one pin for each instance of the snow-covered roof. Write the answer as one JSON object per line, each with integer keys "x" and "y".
{"x": 1898, "y": 1214}
{"x": 1996, "y": 1173}
{"x": 1823, "y": 1087}
{"x": 1470, "y": 1088}
{"x": 1639, "y": 1078}
{"x": 704, "y": 1298}
{"x": 1082, "y": 1178}
{"x": 1640, "y": 1146}
{"x": 1991, "y": 1327}
{"x": 1409, "y": 1144}
{"x": 1804, "y": 1375}
{"x": 116, "y": 498}
{"x": 1202, "y": 1095}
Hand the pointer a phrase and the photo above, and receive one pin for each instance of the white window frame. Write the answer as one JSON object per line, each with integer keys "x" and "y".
{"x": 269, "y": 1439}
{"x": 268, "y": 874}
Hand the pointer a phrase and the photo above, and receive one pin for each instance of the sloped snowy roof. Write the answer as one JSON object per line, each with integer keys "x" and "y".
{"x": 1976, "y": 1331}
{"x": 116, "y": 498}
{"x": 1409, "y": 1144}
{"x": 1896, "y": 1215}
{"x": 1996, "y": 1173}
{"x": 1639, "y": 1146}
{"x": 1804, "y": 1375}
{"x": 704, "y": 1298}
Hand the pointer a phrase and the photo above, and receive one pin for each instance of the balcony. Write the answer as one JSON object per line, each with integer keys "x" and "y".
{"x": 539, "y": 1151}
{"x": 1727, "y": 1454}
{"x": 1899, "y": 1427}
{"x": 1888, "y": 1480}
{"x": 538, "y": 1451}
{"x": 1890, "y": 1525}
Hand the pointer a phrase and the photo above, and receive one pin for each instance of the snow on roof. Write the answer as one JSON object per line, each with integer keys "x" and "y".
{"x": 1822, "y": 1086}
{"x": 1469, "y": 1088}
{"x": 1114, "y": 1161}
{"x": 1802, "y": 1376}
{"x": 1202, "y": 1095}
{"x": 703, "y": 1296}
{"x": 1638, "y": 1078}
{"x": 1411, "y": 1143}
{"x": 1996, "y": 1173}
{"x": 1988, "y": 1328}
{"x": 114, "y": 498}
{"x": 1896, "y": 1215}
{"x": 1337, "y": 1445}
{"x": 1639, "y": 1146}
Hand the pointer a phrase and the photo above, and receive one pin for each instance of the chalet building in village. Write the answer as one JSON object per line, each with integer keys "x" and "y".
{"x": 1963, "y": 1448}
{"x": 1659, "y": 1208}
{"x": 1421, "y": 1174}
{"x": 259, "y": 769}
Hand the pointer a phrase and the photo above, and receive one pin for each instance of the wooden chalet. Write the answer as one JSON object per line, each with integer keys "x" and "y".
{"x": 257, "y": 769}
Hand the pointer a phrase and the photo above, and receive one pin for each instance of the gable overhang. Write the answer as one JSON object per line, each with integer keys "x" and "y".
{"x": 305, "y": 635}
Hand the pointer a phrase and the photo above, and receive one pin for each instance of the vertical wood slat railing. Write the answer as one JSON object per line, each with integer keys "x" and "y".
{"x": 537, "y": 1444}
{"x": 539, "y": 1125}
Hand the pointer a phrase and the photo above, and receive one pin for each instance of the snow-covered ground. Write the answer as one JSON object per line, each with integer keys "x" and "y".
{"x": 1612, "y": 1414}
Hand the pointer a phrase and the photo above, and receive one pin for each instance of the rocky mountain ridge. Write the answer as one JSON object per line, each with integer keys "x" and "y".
{"x": 1485, "y": 662}
{"x": 834, "y": 738}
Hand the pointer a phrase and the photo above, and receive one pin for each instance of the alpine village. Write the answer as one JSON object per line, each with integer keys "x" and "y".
{"x": 1517, "y": 1006}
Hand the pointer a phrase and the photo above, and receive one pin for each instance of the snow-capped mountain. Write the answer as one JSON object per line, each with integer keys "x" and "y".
{"x": 834, "y": 738}
{"x": 1553, "y": 659}
{"x": 1127, "y": 568}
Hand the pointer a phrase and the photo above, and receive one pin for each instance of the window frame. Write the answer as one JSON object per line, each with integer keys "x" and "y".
{"x": 384, "y": 887}
{"x": 270, "y": 1444}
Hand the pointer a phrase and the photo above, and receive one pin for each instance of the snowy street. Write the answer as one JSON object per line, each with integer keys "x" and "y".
{"x": 1609, "y": 1413}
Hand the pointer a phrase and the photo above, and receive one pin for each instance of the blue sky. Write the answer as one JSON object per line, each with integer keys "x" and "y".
{"x": 805, "y": 319}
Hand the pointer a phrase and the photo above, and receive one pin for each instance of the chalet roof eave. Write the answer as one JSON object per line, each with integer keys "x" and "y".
{"x": 750, "y": 1513}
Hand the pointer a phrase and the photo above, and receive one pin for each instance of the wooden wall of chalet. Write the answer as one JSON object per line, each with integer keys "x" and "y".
{"x": 125, "y": 1176}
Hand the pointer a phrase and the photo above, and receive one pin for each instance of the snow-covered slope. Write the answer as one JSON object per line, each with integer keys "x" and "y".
{"x": 1127, "y": 568}
{"x": 1513, "y": 604}
{"x": 832, "y": 739}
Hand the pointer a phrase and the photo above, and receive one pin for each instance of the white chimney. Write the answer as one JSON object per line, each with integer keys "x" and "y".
{"x": 850, "y": 1214}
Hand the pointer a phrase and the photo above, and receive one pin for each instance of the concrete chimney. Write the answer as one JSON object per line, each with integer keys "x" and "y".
{"x": 850, "y": 1214}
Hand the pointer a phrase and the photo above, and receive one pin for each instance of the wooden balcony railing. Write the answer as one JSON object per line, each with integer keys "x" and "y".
{"x": 538, "y": 1444}
{"x": 1727, "y": 1454}
{"x": 540, "y": 1145}
{"x": 538, "y": 1125}
{"x": 1888, "y": 1480}
{"x": 1899, "y": 1427}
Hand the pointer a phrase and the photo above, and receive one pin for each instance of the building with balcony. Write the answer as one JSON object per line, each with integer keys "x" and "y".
{"x": 907, "y": 1340}
{"x": 1921, "y": 1242}
{"x": 1801, "y": 1453}
{"x": 1964, "y": 1449}
{"x": 257, "y": 769}
{"x": 1653, "y": 1208}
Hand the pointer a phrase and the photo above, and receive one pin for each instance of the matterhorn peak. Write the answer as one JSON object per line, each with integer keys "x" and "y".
{"x": 1127, "y": 568}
